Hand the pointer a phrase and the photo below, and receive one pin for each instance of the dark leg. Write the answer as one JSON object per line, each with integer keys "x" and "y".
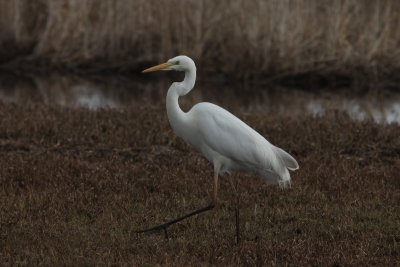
{"x": 237, "y": 218}
{"x": 164, "y": 226}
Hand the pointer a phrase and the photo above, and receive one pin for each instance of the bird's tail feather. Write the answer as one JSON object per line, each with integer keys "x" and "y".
{"x": 288, "y": 160}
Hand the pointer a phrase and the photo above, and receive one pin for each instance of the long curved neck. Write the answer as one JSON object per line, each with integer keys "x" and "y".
{"x": 189, "y": 80}
{"x": 176, "y": 116}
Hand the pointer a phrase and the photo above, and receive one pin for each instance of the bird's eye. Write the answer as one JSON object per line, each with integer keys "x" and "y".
{"x": 177, "y": 62}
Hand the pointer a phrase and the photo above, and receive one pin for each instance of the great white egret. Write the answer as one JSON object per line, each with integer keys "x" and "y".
{"x": 226, "y": 141}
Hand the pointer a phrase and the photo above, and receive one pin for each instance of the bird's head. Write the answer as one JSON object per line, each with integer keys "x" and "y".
{"x": 179, "y": 63}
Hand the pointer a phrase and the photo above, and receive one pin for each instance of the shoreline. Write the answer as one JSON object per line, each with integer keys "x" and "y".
{"x": 312, "y": 80}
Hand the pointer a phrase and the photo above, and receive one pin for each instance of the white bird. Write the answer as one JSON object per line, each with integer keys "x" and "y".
{"x": 226, "y": 141}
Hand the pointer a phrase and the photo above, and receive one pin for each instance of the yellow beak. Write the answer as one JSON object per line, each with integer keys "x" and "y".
{"x": 162, "y": 66}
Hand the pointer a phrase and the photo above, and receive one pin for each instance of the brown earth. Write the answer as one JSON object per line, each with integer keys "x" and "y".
{"x": 76, "y": 184}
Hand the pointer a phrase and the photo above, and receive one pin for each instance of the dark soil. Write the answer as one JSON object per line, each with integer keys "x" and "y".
{"x": 76, "y": 184}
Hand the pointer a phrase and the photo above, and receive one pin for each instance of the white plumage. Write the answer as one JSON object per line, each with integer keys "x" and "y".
{"x": 226, "y": 141}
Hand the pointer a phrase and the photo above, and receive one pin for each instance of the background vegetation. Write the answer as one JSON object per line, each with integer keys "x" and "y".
{"x": 249, "y": 38}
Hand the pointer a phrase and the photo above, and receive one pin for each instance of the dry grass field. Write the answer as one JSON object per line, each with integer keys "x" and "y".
{"x": 76, "y": 184}
{"x": 241, "y": 38}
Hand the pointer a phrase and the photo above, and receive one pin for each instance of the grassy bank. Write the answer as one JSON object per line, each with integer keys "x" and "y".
{"x": 75, "y": 184}
{"x": 241, "y": 38}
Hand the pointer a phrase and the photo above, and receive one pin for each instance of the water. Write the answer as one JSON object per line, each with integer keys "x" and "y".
{"x": 118, "y": 91}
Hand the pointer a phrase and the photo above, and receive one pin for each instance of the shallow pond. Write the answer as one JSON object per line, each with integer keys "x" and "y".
{"x": 96, "y": 92}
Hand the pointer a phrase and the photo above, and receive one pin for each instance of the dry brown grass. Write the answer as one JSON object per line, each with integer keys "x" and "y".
{"x": 252, "y": 38}
{"x": 75, "y": 184}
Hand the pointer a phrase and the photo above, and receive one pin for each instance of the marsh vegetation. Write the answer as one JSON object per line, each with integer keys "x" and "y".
{"x": 247, "y": 39}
